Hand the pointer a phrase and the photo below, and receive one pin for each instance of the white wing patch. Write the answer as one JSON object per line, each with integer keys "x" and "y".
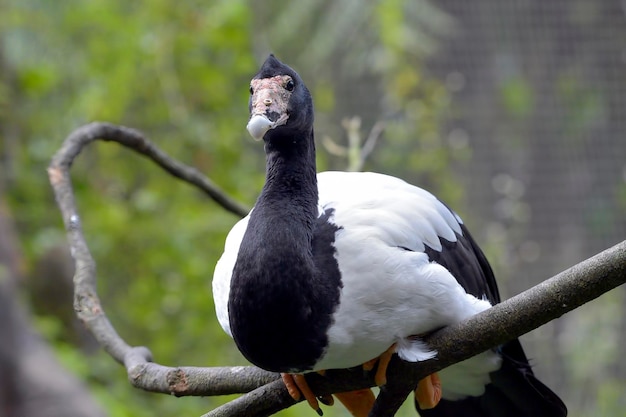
{"x": 224, "y": 270}
{"x": 397, "y": 212}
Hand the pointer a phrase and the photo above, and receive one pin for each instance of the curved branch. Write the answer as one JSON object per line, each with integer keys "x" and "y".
{"x": 136, "y": 141}
{"x": 142, "y": 373}
{"x": 190, "y": 380}
{"x": 265, "y": 394}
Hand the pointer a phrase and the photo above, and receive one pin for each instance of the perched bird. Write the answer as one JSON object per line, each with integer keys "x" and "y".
{"x": 337, "y": 269}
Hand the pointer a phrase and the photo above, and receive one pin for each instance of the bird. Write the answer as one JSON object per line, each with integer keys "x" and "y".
{"x": 335, "y": 270}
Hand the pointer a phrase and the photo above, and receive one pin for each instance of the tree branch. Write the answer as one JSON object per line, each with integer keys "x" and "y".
{"x": 136, "y": 141}
{"x": 503, "y": 322}
{"x": 265, "y": 394}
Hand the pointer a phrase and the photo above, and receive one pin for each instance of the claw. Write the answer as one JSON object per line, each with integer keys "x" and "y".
{"x": 326, "y": 399}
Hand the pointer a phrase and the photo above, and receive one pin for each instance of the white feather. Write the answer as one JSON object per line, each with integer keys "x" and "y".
{"x": 468, "y": 378}
{"x": 223, "y": 272}
{"x": 414, "y": 350}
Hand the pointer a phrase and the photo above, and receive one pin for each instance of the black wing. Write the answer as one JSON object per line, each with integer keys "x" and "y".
{"x": 467, "y": 263}
{"x": 514, "y": 391}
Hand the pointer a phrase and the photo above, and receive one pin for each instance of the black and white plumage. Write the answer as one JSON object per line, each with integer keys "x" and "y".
{"x": 329, "y": 270}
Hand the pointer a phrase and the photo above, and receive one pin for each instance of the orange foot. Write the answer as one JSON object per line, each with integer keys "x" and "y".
{"x": 298, "y": 387}
{"x": 383, "y": 361}
{"x": 359, "y": 403}
{"x": 428, "y": 392}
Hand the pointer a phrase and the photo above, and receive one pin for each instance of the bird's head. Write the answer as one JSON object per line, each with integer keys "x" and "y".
{"x": 279, "y": 101}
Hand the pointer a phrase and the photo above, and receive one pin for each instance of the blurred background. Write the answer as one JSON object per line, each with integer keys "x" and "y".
{"x": 514, "y": 113}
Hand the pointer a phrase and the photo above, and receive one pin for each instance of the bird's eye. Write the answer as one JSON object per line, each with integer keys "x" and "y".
{"x": 251, "y": 90}
{"x": 290, "y": 85}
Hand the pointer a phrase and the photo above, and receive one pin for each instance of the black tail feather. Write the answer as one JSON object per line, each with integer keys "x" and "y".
{"x": 513, "y": 392}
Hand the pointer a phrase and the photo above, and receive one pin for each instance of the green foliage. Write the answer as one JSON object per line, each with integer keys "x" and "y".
{"x": 517, "y": 96}
{"x": 611, "y": 399}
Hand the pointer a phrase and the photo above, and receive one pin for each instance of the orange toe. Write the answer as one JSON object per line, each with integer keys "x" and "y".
{"x": 292, "y": 388}
{"x": 383, "y": 362}
{"x": 358, "y": 403}
{"x": 369, "y": 365}
{"x": 298, "y": 387}
{"x": 428, "y": 392}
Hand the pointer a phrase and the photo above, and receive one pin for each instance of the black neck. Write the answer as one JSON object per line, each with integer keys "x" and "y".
{"x": 290, "y": 190}
{"x": 275, "y": 286}
{"x": 281, "y": 224}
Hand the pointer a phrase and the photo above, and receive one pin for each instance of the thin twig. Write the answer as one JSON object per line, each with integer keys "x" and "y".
{"x": 333, "y": 147}
{"x": 372, "y": 138}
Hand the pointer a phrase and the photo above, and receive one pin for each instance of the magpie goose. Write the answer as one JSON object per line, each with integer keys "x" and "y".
{"x": 337, "y": 269}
